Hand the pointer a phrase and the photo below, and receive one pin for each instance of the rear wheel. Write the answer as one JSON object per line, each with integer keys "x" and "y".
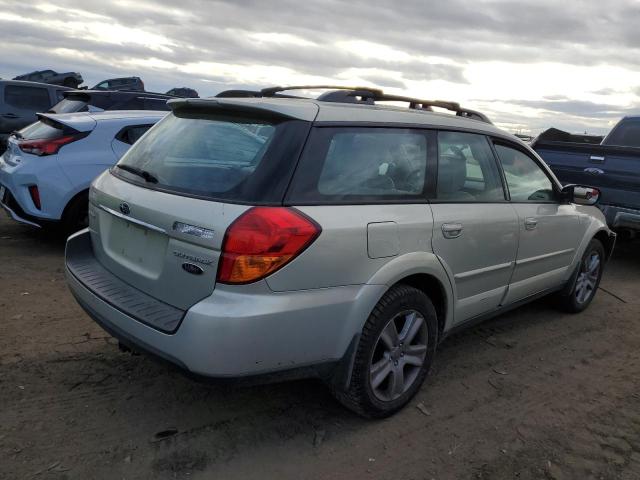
{"x": 586, "y": 281}
{"x": 76, "y": 215}
{"x": 394, "y": 354}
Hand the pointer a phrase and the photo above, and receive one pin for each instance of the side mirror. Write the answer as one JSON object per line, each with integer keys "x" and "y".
{"x": 581, "y": 194}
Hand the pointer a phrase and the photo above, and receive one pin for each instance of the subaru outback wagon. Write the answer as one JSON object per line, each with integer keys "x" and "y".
{"x": 332, "y": 237}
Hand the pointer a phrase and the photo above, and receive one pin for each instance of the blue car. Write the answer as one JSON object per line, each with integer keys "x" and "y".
{"x": 48, "y": 166}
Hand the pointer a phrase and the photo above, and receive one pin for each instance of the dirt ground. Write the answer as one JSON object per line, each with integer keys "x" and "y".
{"x": 533, "y": 394}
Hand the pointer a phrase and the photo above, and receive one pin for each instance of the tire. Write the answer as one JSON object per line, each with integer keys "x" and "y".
{"x": 70, "y": 82}
{"x": 76, "y": 215}
{"x": 383, "y": 360}
{"x": 584, "y": 283}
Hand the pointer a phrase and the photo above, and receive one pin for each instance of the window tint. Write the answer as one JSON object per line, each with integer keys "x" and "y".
{"x": 467, "y": 170}
{"x": 131, "y": 135}
{"x": 217, "y": 156}
{"x": 626, "y": 134}
{"x": 42, "y": 129}
{"x": 527, "y": 182}
{"x": 374, "y": 162}
{"x": 29, "y": 98}
{"x": 361, "y": 164}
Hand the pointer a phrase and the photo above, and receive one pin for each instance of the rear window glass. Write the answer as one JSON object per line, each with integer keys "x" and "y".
{"x": 42, "y": 129}
{"x": 626, "y": 134}
{"x": 69, "y": 105}
{"x": 217, "y": 156}
{"x": 362, "y": 164}
{"x": 28, "y": 98}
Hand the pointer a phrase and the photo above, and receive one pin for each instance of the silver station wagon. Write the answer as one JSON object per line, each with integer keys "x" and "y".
{"x": 262, "y": 235}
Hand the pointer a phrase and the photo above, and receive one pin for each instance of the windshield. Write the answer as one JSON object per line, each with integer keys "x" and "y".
{"x": 214, "y": 156}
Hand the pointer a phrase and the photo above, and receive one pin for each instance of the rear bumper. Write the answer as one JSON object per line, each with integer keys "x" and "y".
{"x": 15, "y": 211}
{"x": 621, "y": 217}
{"x": 242, "y": 331}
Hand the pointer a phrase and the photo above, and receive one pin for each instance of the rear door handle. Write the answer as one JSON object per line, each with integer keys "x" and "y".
{"x": 530, "y": 223}
{"x": 594, "y": 171}
{"x": 452, "y": 230}
{"x": 597, "y": 158}
{"x": 9, "y": 115}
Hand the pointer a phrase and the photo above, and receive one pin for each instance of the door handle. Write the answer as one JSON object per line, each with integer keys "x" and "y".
{"x": 597, "y": 158}
{"x": 452, "y": 230}
{"x": 594, "y": 171}
{"x": 530, "y": 223}
{"x": 9, "y": 115}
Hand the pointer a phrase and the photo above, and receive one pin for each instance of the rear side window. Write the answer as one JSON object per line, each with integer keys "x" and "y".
{"x": 222, "y": 157}
{"x": 362, "y": 165}
{"x": 28, "y": 98}
{"x": 131, "y": 135}
{"x": 527, "y": 182}
{"x": 467, "y": 169}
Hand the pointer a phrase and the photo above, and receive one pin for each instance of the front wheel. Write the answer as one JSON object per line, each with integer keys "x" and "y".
{"x": 395, "y": 352}
{"x": 587, "y": 279}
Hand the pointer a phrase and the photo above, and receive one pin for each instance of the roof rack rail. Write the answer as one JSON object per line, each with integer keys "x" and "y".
{"x": 360, "y": 95}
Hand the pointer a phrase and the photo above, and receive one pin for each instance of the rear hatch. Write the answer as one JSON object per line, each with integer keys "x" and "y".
{"x": 158, "y": 218}
{"x": 47, "y": 136}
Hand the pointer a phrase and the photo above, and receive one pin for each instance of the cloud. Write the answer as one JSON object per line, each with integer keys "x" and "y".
{"x": 483, "y": 52}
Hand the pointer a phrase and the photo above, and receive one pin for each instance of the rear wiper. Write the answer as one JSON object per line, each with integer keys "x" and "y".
{"x": 17, "y": 134}
{"x": 139, "y": 172}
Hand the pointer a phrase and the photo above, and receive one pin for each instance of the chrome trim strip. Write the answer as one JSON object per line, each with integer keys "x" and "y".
{"x": 480, "y": 271}
{"x": 132, "y": 220}
{"x": 545, "y": 256}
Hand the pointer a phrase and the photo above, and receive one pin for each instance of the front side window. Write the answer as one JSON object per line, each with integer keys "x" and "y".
{"x": 362, "y": 164}
{"x": 467, "y": 170}
{"x": 28, "y": 98}
{"x": 527, "y": 182}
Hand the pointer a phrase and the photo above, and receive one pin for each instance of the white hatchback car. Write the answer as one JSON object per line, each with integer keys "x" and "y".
{"x": 48, "y": 166}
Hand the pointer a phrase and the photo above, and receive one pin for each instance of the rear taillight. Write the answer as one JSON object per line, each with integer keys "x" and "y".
{"x": 47, "y": 147}
{"x": 35, "y": 196}
{"x": 261, "y": 241}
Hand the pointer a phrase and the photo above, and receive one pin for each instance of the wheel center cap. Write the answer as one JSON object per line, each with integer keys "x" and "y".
{"x": 395, "y": 353}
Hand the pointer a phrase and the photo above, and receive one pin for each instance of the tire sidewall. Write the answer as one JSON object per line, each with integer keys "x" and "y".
{"x": 594, "y": 246}
{"x": 412, "y": 300}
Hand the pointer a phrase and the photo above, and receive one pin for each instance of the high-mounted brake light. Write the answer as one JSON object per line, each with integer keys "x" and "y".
{"x": 263, "y": 240}
{"x": 47, "y": 146}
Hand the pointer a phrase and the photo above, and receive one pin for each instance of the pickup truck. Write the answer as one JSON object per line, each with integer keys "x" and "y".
{"x": 612, "y": 165}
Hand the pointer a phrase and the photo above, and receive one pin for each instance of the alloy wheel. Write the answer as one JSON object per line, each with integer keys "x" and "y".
{"x": 398, "y": 355}
{"x": 587, "y": 280}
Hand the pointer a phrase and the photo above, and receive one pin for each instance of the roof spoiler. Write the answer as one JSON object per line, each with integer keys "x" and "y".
{"x": 256, "y": 110}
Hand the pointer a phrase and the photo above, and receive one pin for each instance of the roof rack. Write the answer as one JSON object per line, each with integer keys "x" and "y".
{"x": 360, "y": 95}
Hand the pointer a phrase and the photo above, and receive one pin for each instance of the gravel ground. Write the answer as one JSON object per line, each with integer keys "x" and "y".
{"x": 532, "y": 394}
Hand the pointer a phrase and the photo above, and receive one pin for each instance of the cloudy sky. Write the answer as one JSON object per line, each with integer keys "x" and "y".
{"x": 529, "y": 65}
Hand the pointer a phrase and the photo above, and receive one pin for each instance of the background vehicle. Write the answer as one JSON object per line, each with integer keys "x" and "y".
{"x": 46, "y": 171}
{"x": 67, "y": 79}
{"x": 328, "y": 237}
{"x": 123, "y": 83}
{"x": 612, "y": 165}
{"x": 95, "y": 100}
{"x": 19, "y": 103}
{"x": 183, "y": 92}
